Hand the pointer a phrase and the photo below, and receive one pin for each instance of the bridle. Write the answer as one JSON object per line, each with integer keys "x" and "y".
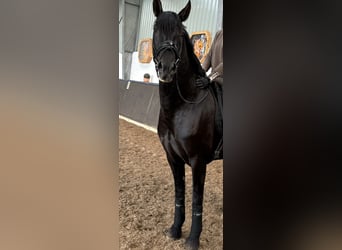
{"x": 170, "y": 45}
{"x": 167, "y": 45}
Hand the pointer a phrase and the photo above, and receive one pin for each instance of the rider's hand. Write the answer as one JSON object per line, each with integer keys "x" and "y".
{"x": 202, "y": 82}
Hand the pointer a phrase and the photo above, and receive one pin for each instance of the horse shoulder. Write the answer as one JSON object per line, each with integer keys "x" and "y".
{"x": 193, "y": 121}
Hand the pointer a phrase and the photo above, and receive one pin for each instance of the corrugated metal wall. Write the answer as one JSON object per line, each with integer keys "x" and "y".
{"x": 204, "y": 15}
{"x": 120, "y": 25}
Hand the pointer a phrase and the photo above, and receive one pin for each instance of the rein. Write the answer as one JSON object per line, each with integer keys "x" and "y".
{"x": 187, "y": 101}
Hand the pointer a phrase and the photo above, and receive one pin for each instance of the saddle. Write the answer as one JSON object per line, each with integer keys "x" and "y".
{"x": 216, "y": 89}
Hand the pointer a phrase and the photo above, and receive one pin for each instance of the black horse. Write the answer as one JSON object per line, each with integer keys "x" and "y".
{"x": 190, "y": 126}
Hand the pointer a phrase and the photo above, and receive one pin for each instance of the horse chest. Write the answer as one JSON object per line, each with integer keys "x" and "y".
{"x": 185, "y": 130}
{"x": 180, "y": 135}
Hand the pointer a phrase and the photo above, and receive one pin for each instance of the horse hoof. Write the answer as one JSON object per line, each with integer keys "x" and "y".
{"x": 191, "y": 244}
{"x": 173, "y": 233}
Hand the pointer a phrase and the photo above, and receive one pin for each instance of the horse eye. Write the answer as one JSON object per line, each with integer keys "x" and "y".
{"x": 159, "y": 65}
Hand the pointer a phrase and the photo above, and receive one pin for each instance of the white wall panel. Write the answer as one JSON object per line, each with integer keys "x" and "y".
{"x": 204, "y": 15}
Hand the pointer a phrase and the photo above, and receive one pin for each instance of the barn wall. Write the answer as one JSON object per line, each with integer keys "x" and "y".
{"x": 139, "y": 101}
{"x": 139, "y": 69}
{"x": 204, "y": 15}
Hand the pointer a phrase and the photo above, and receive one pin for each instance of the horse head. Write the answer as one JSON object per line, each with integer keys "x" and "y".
{"x": 168, "y": 40}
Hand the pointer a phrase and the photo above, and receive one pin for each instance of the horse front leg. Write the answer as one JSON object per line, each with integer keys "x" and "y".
{"x": 178, "y": 171}
{"x": 198, "y": 179}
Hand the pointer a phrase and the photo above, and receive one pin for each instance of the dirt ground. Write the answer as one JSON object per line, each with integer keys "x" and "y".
{"x": 147, "y": 195}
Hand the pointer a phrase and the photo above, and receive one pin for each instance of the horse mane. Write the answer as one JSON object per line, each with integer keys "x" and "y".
{"x": 194, "y": 62}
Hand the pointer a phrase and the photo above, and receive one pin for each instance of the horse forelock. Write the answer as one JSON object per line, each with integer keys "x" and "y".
{"x": 168, "y": 23}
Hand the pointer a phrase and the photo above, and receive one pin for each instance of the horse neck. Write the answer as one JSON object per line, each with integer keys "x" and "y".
{"x": 183, "y": 83}
{"x": 183, "y": 86}
{"x": 187, "y": 74}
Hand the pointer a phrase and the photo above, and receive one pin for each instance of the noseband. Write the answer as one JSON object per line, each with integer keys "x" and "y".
{"x": 167, "y": 45}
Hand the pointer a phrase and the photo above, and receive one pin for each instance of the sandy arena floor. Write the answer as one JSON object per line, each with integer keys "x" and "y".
{"x": 147, "y": 195}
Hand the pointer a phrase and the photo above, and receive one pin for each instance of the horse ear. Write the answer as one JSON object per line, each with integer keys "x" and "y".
{"x": 157, "y": 7}
{"x": 184, "y": 13}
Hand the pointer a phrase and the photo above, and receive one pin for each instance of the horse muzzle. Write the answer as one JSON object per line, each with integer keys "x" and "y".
{"x": 165, "y": 80}
{"x": 166, "y": 77}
